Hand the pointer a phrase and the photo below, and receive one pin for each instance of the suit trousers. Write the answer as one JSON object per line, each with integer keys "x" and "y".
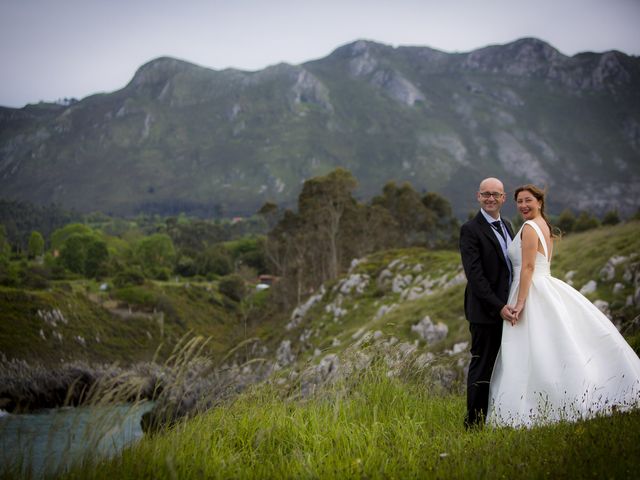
{"x": 485, "y": 344}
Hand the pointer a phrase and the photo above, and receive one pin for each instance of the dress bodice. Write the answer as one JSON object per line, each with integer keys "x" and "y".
{"x": 543, "y": 266}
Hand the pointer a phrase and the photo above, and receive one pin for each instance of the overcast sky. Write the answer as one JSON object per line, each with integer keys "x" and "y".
{"x": 50, "y": 49}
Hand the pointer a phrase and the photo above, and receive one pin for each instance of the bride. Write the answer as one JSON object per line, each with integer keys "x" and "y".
{"x": 561, "y": 359}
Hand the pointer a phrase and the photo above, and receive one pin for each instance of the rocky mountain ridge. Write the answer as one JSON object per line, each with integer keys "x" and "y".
{"x": 180, "y": 137}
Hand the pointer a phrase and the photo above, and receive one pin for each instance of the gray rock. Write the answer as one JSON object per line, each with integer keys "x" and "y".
{"x": 328, "y": 367}
{"x": 589, "y": 287}
{"x": 618, "y": 288}
{"x": 603, "y": 306}
{"x": 284, "y": 355}
{"x": 400, "y": 282}
{"x": 396, "y": 86}
{"x": 429, "y": 332}
{"x": 458, "y": 348}
{"x": 607, "y": 272}
{"x": 355, "y": 281}
{"x": 383, "y": 310}
{"x": 384, "y": 279}
{"x": 301, "y": 310}
{"x": 355, "y": 262}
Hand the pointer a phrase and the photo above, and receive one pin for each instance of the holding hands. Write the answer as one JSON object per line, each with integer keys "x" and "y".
{"x": 511, "y": 313}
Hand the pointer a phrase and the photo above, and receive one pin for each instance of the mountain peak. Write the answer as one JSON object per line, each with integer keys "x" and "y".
{"x": 160, "y": 70}
{"x": 524, "y": 57}
{"x": 359, "y": 48}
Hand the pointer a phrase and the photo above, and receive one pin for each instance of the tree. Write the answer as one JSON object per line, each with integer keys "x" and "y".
{"x": 214, "y": 260}
{"x": 270, "y": 213}
{"x": 5, "y": 247}
{"x": 611, "y": 218}
{"x": 322, "y": 205}
{"x": 585, "y": 221}
{"x": 232, "y": 286}
{"x": 96, "y": 259}
{"x": 36, "y": 245}
{"x": 73, "y": 252}
{"x": 155, "y": 253}
{"x": 60, "y": 236}
{"x": 446, "y": 229}
{"x": 408, "y": 209}
{"x": 566, "y": 221}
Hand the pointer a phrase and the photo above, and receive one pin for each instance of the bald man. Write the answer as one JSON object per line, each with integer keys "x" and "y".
{"x": 483, "y": 247}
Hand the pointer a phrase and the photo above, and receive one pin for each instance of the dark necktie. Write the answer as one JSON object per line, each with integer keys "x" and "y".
{"x": 498, "y": 228}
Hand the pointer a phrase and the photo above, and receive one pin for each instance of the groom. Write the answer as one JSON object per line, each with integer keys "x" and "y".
{"x": 483, "y": 247}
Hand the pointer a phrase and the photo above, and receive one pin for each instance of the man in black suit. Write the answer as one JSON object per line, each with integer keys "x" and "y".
{"x": 483, "y": 247}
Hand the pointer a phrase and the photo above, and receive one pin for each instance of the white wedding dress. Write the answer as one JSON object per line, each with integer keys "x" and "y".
{"x": 564, "y": 360}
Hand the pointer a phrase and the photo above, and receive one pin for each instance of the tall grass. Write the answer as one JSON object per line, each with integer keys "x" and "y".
{"x": 372, "y": 426}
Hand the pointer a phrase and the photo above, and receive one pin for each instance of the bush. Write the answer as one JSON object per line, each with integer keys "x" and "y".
{"x": 255, "y": 259}
{"x": 85, "y": 254}
{"x": 128, "y": 276}
{"x": 566, "y": 221}
{"x": 216, "y": 260}
{"x": 9, "y": 274}
{"x": 155, "y": 253}
{"x": 35, "y": 276}
{"x": 162, "y": 274}
{"x": 585, "y": 222}
{"x": 136, "y": 295}
{"x": 36, "y": 245}
{"x": 186, "y": 267}
{"x": 232, "y": 286}
{"x": 611, "y": 218}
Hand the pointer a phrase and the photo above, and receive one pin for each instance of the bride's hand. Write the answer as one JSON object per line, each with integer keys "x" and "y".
{"x": 517, "y": 310}
{"x": 507, "y": 314}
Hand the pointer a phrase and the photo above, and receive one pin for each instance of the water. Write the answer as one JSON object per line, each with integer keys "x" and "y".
{"x": 52, "y": 440}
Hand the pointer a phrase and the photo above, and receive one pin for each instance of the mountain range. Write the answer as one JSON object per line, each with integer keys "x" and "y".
{"x": 181, "y": 137}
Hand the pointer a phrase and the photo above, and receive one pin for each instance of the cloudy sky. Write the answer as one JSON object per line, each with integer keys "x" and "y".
{"x": 50, "y": 49}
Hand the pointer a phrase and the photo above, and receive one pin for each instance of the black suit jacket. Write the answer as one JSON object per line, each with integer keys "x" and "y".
{"x": 486, "y": 269}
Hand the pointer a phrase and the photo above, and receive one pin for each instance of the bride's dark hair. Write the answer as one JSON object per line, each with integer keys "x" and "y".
{"x": 538, "y": 195}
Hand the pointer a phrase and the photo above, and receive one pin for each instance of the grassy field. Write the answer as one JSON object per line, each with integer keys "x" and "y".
{"x": 372, "y": 426}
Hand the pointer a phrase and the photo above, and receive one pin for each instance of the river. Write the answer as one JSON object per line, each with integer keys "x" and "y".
{"x": 49, "y": 441}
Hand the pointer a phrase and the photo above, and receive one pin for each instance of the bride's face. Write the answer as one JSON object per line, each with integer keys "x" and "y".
{"x": 528, "y": 205}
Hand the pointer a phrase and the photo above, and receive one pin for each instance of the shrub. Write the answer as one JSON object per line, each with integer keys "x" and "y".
{"x": 128, "y": 276}
{"x": 162, "y": 274}
{"x": 155, "y": 252}
{"x": 186, "y": 266}
{"x": 216, "y": 260}
{"x": 232, "y": 286}
{"x": 136, "y": 295}
{"x": 611, "y": 218}
{"x": 85, "y": 254}
{"x": 585, "y": 221}
{"x": 35, "y": 276}
{"x": 566, "y": 221}
{"x": 36, "y": 245}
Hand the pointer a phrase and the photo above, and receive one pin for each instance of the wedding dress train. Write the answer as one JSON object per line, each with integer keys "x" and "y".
{"x": 563, "y": 360}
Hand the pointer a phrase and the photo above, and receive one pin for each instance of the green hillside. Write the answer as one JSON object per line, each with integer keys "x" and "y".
{"x": 74, "y": 321}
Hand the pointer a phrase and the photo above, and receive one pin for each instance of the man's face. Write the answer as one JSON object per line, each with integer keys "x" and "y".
{"x": 491, "y": 197}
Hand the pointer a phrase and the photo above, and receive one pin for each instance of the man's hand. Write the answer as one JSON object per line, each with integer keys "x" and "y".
{"x": 509, "y": 314}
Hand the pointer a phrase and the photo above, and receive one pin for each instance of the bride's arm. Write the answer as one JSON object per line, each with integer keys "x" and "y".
{"x": 529, "y": 250}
